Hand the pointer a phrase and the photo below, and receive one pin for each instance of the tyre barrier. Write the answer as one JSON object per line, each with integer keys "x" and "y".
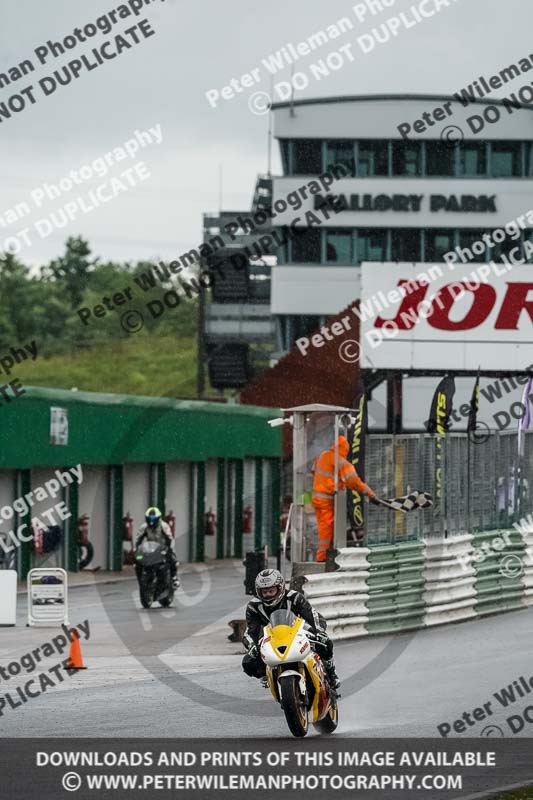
{"x": 528, "y": 564}
{"x": 419, "y": 584}
{"x": 450, "y": 580}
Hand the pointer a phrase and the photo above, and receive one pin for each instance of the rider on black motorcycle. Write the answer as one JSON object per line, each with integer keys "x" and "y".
{"x": 156, "y": 529}
{"x": 271, "y": 596}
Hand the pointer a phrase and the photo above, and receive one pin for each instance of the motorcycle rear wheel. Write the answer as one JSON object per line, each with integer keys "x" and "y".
{"x": 330, "y": 721}
{"x": 85, "y": 555}
{"x": 167, "y": 600}
{"x": 294, "y": 706}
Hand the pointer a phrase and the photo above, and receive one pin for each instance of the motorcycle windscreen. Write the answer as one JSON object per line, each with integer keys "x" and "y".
{"x": 282, "y": 617}
{"x": 149, "y": 547}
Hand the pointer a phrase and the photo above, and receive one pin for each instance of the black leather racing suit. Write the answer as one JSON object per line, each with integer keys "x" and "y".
{"x": 258, "y": 615}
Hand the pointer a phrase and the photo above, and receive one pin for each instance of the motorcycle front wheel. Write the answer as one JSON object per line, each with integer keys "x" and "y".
{"x": 294, "y": 706}
{"x": 165, "y": 591}
{"x": 145, "y": 591}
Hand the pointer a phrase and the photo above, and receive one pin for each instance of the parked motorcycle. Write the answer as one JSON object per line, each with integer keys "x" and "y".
{"x": 153, "y": 574}
{"x": 296, "y": 676}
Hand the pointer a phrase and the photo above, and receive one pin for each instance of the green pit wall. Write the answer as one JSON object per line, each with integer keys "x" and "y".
{"x": 116, "y": 429}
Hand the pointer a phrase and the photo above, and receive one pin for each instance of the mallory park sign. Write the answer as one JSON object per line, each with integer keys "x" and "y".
{"x": 408, "y": 202}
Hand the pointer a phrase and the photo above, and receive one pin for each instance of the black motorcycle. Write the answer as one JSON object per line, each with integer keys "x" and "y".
{"x": 153, "y": 574}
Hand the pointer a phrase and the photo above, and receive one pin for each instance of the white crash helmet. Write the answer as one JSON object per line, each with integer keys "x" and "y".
{"x": 266, "y": 581}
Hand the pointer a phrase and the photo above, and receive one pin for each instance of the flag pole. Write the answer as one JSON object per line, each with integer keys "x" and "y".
{"x": 471, "y": 427}
{"x": 523, "y": 425}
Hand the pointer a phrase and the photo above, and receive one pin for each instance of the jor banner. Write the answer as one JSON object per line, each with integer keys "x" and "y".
{"x": 357, "y": 439}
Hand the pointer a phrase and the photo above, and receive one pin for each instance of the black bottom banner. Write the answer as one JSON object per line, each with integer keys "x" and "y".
{"x": 320, "y": 767}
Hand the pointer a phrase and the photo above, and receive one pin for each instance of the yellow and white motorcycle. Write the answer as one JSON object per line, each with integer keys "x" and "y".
{"x": 296, "y": 675}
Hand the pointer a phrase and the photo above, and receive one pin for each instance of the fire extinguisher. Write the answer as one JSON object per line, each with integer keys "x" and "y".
{"x": 127, "y": 529}
{"x": 83, "y": 530}
{"x": 285, "y": 510}
{"x": 210, "y": 523}
{"x": 247, "y": 516}
{"x": 37, "y": 537}
{"x": 170, "y": 519}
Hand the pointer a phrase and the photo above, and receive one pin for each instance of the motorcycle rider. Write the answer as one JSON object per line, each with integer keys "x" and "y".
{"x": 271, "y": 596}
{"x": 155, "y": 529}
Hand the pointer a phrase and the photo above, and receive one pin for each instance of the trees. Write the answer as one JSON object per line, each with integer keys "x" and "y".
{"x": 42, "y": 304}
{"x": 15, "y": 308}
{"x": 73, "y": 270}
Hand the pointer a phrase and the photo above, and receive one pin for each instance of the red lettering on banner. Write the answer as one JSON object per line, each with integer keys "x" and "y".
{"x": 513, "y": 304}
{"x": 484, "y": 299}
{"x": 407, "y": 315}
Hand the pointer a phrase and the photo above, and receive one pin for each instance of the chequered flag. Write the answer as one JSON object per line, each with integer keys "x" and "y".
{"x": 412, "y": 501}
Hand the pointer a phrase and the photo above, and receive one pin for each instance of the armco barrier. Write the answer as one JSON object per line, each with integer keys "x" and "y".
{"x": 419, "y": 584}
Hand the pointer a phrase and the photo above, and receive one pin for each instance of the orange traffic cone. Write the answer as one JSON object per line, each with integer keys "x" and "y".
{"x": 75, "y": 661}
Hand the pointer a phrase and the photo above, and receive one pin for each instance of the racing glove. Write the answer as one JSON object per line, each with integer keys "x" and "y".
{"x": 250, "y": 646}
{"x": 321, "y": 638}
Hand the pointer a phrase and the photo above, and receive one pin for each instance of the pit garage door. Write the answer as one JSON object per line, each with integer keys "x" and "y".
{"x": 211, "y": 505}
{"x": 178, "y": 501}
{"x": 94, "y": 501}
{"x": 248, "y": 506}
{"x": 137, "y": 493}
{"x": 7, "y": 495}
{"x": 45, "y": 479}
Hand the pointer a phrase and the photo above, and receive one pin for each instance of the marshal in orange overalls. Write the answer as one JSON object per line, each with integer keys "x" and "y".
{"x": 324, "y": 490}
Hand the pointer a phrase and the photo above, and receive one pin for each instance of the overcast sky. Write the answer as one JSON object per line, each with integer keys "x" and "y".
{"x": 199, "y": 46}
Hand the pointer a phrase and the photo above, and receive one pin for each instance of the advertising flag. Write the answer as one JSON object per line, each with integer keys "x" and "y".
{"x": 439, "y": 422}
{"x": 441, "y": 406}
{"x": 525, "y": 421}
{"x": 356, "y": 456}
{"x": 474, "y": 407}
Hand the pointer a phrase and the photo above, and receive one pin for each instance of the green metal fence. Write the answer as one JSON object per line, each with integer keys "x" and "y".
{"x": 479, "y": 483}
